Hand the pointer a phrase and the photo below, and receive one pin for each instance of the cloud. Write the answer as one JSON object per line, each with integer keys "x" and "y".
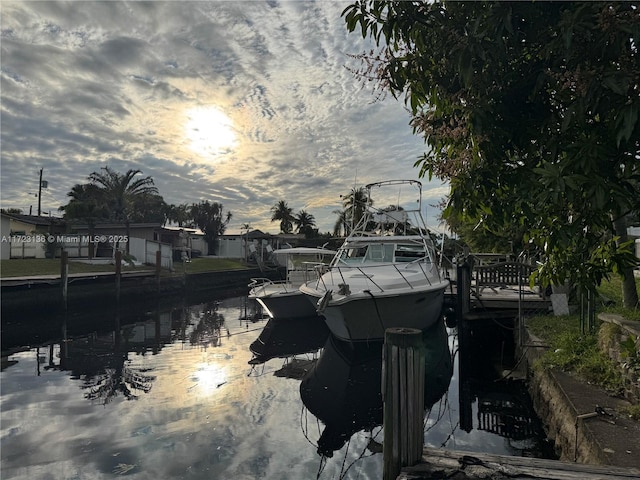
{"x": 89, "y": 84}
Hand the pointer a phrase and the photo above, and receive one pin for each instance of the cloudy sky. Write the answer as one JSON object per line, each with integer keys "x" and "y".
{"x": 239, "y": 102}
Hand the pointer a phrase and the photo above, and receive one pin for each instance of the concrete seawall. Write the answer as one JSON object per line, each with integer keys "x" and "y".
{"x": 44, "y": 294}
{"x": 583, "y": 420}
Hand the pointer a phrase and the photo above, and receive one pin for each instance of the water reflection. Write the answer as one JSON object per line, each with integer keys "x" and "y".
{"x": 207, "y": 325}
{"x": 209, "y": 390}
{"x": 343, "y": 390}
{"x": 100, "y": 361}
{"x": 493, "y": 394}
{"x": 286, "y": 337}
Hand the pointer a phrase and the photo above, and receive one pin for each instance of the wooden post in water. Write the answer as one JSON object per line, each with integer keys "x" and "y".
{"x": 403, "y": 378}
{"x": 463, "y": 281}
{"x": 158, "y": 267}
{"x": 118, "y": 258}
{"x": 464, "y": 306}
{"x": 64, "y": 277}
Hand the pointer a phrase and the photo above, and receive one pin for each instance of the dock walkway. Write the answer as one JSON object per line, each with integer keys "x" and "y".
{"x": 459, "y": 465}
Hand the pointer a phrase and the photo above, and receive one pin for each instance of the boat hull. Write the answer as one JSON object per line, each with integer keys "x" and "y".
{"x": 287, "y": 305}
{"x": 361, "y": 318}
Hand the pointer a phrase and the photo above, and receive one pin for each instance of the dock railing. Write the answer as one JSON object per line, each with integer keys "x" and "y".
{"x": 502, "y": 275}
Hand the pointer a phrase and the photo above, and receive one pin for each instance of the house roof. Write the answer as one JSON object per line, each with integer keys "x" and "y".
{"x": 35, "y": 219}
{"x": 259, "y": 234}
{"x": 253, "y": 234}
{"x": 176, "y": 230}
{"x": 116, "y": 225}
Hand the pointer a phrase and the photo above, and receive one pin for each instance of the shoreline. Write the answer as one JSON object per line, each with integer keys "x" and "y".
{"x": 38, "y": 294}
{"x": 582, "y": 419}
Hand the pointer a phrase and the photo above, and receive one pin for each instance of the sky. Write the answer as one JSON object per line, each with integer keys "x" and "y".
{"x": 244, "y": 103}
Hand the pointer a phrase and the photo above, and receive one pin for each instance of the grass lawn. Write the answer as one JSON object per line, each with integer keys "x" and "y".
{"x": 36, "y": 266}
{"x": 612, "y": 289}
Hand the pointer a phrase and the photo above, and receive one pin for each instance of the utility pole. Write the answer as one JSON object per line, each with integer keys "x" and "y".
{"x": 40, "y": 193}
{"x": 41, "y": 184}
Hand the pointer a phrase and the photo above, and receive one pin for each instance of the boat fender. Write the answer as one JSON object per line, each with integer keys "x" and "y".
{"x": 323, "y": 302}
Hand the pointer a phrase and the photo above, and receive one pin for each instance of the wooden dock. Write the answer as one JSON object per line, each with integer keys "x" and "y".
{"x": 459, "y": 465}
{"x": 485, "y": 290}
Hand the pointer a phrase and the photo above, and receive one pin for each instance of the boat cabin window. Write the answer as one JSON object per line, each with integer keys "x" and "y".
{"x": 410, "y": 253}
{"x": 352, "y": 255}
{"x": 379, "y": 253}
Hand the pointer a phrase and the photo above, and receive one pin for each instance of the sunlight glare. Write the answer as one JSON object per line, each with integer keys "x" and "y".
{"x": 210, "y": 131}
{"x": 209, "y": 377}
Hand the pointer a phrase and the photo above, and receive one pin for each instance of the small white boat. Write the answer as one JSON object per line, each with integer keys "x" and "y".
{"x": 282, "y": 298}
{"x": 385, "y": 274}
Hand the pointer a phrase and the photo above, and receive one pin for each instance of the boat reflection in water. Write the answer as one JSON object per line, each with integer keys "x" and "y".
{"x": 343, "y": 390}
{"x": 286, "y": 337}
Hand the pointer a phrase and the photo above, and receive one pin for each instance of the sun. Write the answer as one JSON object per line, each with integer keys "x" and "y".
{"x": 209, "y": 131}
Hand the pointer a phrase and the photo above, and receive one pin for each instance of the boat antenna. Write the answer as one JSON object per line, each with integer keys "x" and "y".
{"x": 353, "y": 200}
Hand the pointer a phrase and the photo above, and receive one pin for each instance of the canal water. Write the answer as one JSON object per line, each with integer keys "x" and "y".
{"x": 215, "y": 390}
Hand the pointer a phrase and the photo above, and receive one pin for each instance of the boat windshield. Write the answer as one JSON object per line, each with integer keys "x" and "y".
{"x": 382, "y": 253}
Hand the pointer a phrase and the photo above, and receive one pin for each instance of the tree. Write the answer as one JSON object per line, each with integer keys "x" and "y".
{"x": 305, "y": 223}
{"x": 530, "y": 111}
{"x": 115, "y": 197}
{"x": 87, "y": 204}
{"x": 17, "y": 211}
{"x": 212, "y": 220}
{"x": 354, "y": 204}
{"x": 122, "y": 194}
{"x": 120, "y": 191}
{"x": 179, "y": 214}
{"x": 341, "y": 226}
{"x": 281, "y": 211}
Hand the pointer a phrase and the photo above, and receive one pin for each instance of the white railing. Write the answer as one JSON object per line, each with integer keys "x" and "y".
{"x": 345, "y": 274}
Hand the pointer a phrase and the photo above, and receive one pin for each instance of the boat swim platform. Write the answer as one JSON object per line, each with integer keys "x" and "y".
{"x": 459, "y": 465}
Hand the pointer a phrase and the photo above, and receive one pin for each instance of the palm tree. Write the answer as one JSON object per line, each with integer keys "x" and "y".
{"x": 281, "y": 211}
{"x": 305, "y": 223}
{"x": 179, "y": 214}
{"x": 341, "y": 226}
{"x": 120, "y": 192}
{"x": 354, "y": 204}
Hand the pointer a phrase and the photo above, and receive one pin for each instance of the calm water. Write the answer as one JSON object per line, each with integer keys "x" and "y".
{"x": 179, "y": 393}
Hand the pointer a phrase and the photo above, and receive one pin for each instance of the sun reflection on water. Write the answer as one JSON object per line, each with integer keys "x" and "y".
{"x": 209, "y": 377}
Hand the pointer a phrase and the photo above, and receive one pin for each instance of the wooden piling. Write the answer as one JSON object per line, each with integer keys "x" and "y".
{"x": 463, "y": 290}
{"x": 64, "y": 277}
{"x": 118, "y": 259}
{"x": 403, "y": 374}
{"x": 463, "y": 277}
{"x": 158, "y": 267}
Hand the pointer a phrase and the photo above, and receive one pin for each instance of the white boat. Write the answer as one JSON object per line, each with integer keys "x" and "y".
{"x": 282, "y": 298}
{"x": 385, "y": 274}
